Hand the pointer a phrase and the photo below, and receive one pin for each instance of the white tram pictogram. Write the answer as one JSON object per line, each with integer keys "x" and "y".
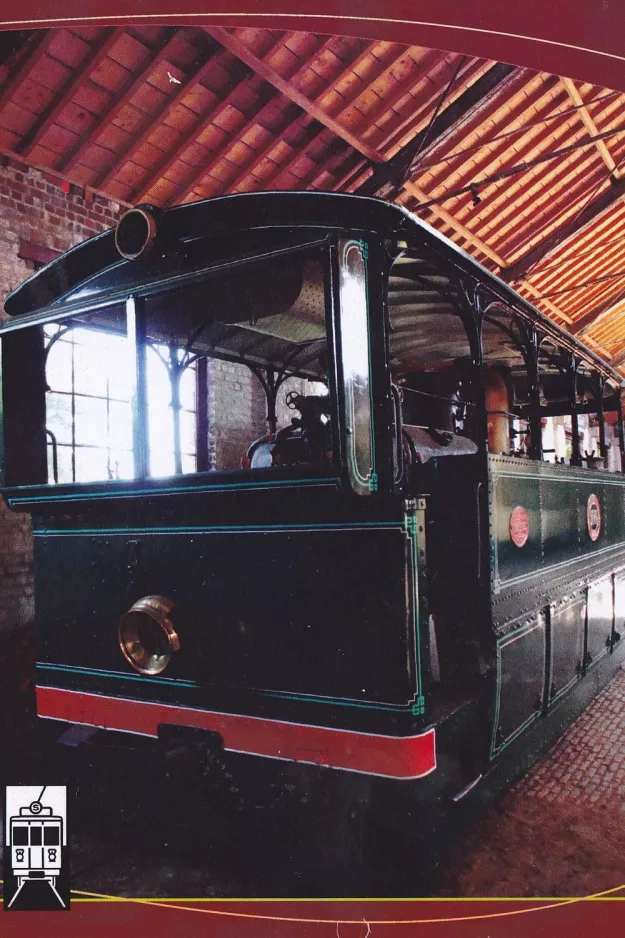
{"x": 36, "y": 838}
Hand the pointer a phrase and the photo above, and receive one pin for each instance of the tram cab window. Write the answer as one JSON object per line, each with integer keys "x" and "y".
{"x": 234, "y": 369}
{"x": 431, "y": 360}
{"x": 88, "y": 369}
{"x": 244, "y": 358}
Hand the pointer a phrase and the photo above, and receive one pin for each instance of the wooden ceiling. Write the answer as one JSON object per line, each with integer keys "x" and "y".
{"x": 525, "y": 170}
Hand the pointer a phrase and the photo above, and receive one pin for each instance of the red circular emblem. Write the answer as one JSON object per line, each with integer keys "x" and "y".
{"x": 593, "y": 517}
{"x": 519, "y": 526}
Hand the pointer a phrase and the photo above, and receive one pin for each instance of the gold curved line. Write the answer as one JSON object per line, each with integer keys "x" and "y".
{"x": 316, "y": 16}
{"x": 334, "y": 921}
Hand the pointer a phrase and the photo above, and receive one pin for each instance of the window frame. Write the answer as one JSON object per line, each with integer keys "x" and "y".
{"x": 57, "y": 315}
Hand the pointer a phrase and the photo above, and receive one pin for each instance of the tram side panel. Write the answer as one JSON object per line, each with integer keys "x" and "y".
{"x": 557, "y": 560}
{"x": 314, "y": 622}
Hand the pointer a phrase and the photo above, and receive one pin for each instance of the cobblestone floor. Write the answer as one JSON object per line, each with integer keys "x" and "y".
{"x": 561, "y": 830}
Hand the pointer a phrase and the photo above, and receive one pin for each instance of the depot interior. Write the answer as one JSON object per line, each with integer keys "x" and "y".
{"x": 521, "y": 169}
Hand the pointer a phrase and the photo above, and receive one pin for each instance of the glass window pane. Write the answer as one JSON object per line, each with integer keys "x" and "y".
{"x": 271, "y": 314}
{"x": 187, "y": 431}
{"x": 161, "y": 461}
{"x": 189, "y": 463}
{"x": 35, "y": 835}
{"x": 355, "y": 354}
{"x": 92, "y": 465}
{"x": 59, "y": 365}
{"x": 91, "y": 420}
{"x": 187, "y": 388}
{"x": 121, "y": 464}
{"x": 120, "y": 426}
{"x": 64, "y": 461}
{"x": 101, "y": 362}
{"x": 59, "y": 416}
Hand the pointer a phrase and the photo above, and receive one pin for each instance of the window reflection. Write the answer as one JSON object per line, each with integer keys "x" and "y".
{"x": 235, "y": 372}
{"x": 88, "y": 412}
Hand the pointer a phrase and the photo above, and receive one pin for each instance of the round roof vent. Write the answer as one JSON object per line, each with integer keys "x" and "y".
{"x": 135, "y": 233}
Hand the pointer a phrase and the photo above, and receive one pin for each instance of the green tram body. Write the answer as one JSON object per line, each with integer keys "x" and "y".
{"x": 395, "y": 602}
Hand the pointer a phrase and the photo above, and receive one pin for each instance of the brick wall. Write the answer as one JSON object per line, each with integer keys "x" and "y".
{"x": 35, "y": 210}
{"x": 237, "y": 412}
{"x": 37, "y": 216}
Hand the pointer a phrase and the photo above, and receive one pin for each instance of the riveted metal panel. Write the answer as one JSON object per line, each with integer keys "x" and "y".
{"x": 567, "y": 643}
{"x": 599, "y": 619}
{"x": 619, "y": 603}
{"x": 520, "y": 678}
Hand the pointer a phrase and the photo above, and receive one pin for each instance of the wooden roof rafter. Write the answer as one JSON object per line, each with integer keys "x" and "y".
{"x": 165, "y": 164}
{"x": 38, "y": 48}
{"x": 204, "y": 169}
{"x": 584, "y": 219}
{"x": 389, "y": 102}
{"x": 105, "y": 43}
{"x": 590, "y": 125}
{"x": 195, "y": 131}
{"x": 257, "y": 158}
{"x": 464, "y": 109}
{"x": 384, "y": 69}
{"x": 239, "y": 49}
{"x": 302, "y": 110}
{"x": 92, "y": 135}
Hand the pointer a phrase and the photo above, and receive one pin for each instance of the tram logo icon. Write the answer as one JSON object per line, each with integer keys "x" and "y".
{"x": 35, "y": 848}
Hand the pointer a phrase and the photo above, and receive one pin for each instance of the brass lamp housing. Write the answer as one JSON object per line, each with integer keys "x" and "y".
{"x": 135, "y": 233}
{"x": 146, "y": 635}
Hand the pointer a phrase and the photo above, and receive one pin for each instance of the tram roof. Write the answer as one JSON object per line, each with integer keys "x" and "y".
{"x": 95, "y": 264}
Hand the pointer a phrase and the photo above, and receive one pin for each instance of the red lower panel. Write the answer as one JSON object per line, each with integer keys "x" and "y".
{"x": 477, "y": 918}
{"x": 390, "y": 756}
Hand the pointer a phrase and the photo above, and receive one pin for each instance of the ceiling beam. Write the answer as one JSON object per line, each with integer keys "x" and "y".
{"x": 443, "y": 215}
{"x": 264, "y": 151}
{"x": 169, "y": 159}
{"x": 588, "y": 320}
{"x": 161, "y": 166}
{"x": 165, "y": 164}
{"x": 38, "y": 48}
{"x": 221, "y": 152}
{"x": 590, "y": 214}
{"x": 357, "y": 165}
{"x": 106, "y": 41}
{"x": 264, "y": 71}
{"x": 590, "y": 125}
{"x": 406, "y": 127}
{"x": 383, "y": 70}
{"x": 451, "y": 120}
{"x": 466, "y": 233}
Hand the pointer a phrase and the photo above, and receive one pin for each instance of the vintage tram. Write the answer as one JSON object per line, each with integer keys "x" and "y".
{"x": 36, "y": 837}
{"x": 308, "y": 480}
